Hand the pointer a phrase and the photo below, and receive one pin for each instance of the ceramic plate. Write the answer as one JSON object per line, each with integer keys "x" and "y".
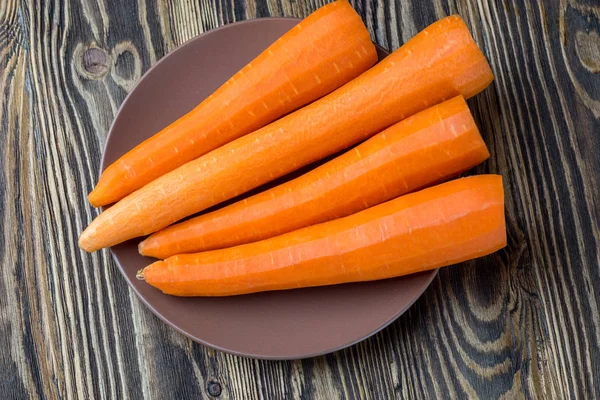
{"x": 276, "y": 325}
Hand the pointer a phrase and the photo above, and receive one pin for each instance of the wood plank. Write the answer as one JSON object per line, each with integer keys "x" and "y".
{"x": 523, "y": 323}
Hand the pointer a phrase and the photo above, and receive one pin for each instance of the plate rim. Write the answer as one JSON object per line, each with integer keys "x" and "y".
{"x": 123, "y": 105}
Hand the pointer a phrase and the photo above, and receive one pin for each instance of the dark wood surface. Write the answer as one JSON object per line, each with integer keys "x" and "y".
{"x": 523, "y": 323}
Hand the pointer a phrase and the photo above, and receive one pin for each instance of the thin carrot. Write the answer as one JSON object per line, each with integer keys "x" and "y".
{"x": 324, "y": 51}
{"x": 439, "y": 63}
{"x": 445, "y": 224}
{"x": 428, "y": 147}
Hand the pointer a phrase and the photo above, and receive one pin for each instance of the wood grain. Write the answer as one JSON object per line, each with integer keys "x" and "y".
{"x": 523, "y": 323}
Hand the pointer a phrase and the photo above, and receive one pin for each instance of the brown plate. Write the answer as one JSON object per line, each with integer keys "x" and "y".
{"x": 275, "y": 325}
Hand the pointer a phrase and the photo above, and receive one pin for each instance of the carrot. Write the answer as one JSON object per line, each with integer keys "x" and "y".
{"x": 445, "y": 224}
{"x": 428, "y": 147}
{"x": 321, "y": 53}
{"x": 441, "y": 62}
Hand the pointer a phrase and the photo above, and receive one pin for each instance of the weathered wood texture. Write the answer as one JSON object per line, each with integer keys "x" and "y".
{"x": 524, "y": 323}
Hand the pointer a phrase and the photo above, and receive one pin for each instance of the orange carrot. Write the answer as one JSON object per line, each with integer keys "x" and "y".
{"x": 324, "y": 51}
{"x": 441, "y": 62}
{"x": 445, "y": 224}
{"x": 428, "y": 147}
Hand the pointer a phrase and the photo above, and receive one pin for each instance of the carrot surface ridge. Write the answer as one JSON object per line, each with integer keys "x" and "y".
{"x": 324, "y": 51}
{"x": 442, "y": 225}
{"x": 439, "y": 63}
{"x": 431, "y": 146}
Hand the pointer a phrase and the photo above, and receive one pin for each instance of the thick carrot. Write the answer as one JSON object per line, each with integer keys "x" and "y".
{"x": 445, "y": 224}
{"x": 428, "y": 147}
{"x": 439, "y": 63}
{"x": 324, "y": 51}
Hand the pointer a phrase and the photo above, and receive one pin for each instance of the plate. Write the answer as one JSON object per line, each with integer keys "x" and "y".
{"x": 273, "y": 325}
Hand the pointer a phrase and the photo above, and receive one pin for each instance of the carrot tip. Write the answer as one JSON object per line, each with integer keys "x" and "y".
{"x": 145, "y": 248}
{"x": 140, "y": 275}
{"x": 93, "y": 199}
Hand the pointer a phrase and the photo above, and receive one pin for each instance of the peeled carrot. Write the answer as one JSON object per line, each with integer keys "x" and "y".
{"x": 445, "y": 224}
{"x": 439, "y": 63}
{"x": 320, "y": 54}
{"x": 428, "y": 147}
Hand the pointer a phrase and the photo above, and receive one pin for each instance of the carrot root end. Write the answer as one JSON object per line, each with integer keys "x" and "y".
{"x": 140, "y": 275}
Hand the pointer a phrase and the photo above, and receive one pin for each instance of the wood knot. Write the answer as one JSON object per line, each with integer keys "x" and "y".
{"x": 95, "y": 62}
{"x": 127, "y": 65}
{"x": 587, "y": 47}
{"x": 214, "y": 388}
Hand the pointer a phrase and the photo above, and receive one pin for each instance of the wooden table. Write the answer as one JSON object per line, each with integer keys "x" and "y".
{"x": 524, "y": 322}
